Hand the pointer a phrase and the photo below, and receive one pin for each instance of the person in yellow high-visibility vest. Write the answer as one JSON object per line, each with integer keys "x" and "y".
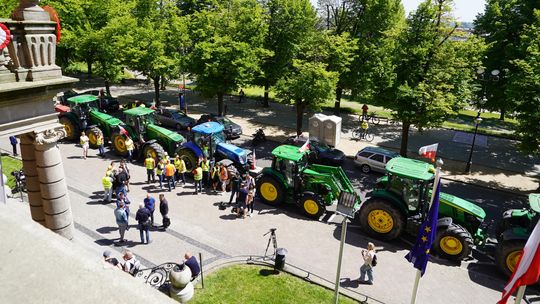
{"x": 214, "y": 177}
{"x": 205, "y": 166}
{"x": 100, "y": 143}
{"x": 198, "y": 176}
{"x": 107, "y": 182}
{"x": 159, "y": 171}
{"x": 180, "y": 166}
{"x": 150, "y": 164}
{"x": 130, "y": 146}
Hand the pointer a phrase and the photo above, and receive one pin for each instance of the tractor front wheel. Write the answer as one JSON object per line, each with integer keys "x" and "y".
{"x": 155, "y": 151}
{"x": 189, "y": 157}
{"x": 72, "y": 130}
{"x": 270, "y": 191}
{"x": 453, "y": 243}
{"x": 119, "y": 144}
{"x": 381, "y": 219}
{"x": 508, "y": 254}
{"x": 93, "y": 134}
{"x": 312, "y": 204}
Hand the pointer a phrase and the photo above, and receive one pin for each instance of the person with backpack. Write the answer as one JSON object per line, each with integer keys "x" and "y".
{"x": 370, "y": 260}
{"x": 131, "y": 264}
{"x": 145, "y": 222}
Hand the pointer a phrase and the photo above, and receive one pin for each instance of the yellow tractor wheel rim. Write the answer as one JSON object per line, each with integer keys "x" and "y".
{"x": 512, "y": 259}
{"x": 451, "y": 245}
{"x": 380, "y": 221}
{"x": 69, "y": 130}
{"x": 269, "y": 192}
{"x": 311, "y": 207}
{"x": 92, "y": 139}
{"x": 120, "y": 144}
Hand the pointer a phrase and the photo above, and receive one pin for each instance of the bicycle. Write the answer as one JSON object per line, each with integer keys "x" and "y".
{"x": 361, "y": 134}
{"x": 370, "y": 118}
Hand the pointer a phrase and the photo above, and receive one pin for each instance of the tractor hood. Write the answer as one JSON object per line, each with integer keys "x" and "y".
{"x": 166, "y": 133}
{"x": 233, "y": 152}
{"x": 462, "y": 204}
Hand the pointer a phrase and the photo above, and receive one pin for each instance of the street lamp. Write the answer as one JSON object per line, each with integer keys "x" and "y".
{"x": 477, "y": 121}
{"x": 482, "y": 77}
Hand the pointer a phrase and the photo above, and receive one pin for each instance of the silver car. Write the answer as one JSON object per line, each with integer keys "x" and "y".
{"x": 372, "y": 158}
{"x": 174, "y": 119}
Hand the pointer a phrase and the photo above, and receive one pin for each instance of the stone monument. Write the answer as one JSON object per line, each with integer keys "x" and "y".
{"x": 29, "y": 81}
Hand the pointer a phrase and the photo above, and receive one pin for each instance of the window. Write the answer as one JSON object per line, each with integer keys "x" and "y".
{"x": 388, "y": 158}
{"x": 365, "y": 154}
{"x": 378, "y": 158}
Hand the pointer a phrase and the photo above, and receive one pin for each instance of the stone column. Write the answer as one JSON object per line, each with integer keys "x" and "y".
{"x": 53, "y": 188}
{"x": 32, "y": 181}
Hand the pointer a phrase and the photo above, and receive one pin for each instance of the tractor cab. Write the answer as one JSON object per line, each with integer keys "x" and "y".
{"x": 139, "y": 118}
{"x": 81, "y": 106}
{"x": 208, "y": 136}
{"x": 289, "y": 162}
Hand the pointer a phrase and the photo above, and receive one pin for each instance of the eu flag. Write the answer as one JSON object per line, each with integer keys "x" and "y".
{"x": 419, "y": 254}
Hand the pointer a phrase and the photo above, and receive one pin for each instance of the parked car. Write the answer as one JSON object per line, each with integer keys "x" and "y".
{"x": 174, "y": 119}
{"x": 373, "y": 159}
{"x": 321, "y": 153}
{"x": 107, "y": 103}
{"x": 231, "y": 129}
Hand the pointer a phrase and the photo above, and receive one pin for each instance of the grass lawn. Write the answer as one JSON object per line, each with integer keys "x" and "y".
{"x": 246, "y": 284}
{"x": 10, "y": 164}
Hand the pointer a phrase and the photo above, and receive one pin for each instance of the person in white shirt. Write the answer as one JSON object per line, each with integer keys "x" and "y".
{"x": 367, "y": 268}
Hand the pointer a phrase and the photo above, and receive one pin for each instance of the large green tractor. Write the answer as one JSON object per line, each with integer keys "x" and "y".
{"x": 400, "y": 202}
{"x": 291, "y": 179}
{"x": 149, "y": 138}
{"x": 513, "y": 232}
{"x": 84, "y": 116}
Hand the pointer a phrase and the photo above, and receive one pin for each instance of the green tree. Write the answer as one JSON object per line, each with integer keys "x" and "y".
{"x": 307, "y": 85}
{"x": 524, "y": 87}
{"x": 227, "y": 48}
{"x": 502, "y": 24}
{"x": 290, "y": 22}
{"x": 434, "y": 72}
{"x": 7, "y": 7}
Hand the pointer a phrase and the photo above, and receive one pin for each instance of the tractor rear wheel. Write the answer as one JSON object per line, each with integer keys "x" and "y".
{"x": 270, "y": 191}
{"x": 453, "y": 243}
{"x": 508, "y": 254}
{"x": 154, "y": 150}
{"x": 381, "y": 219}
{"x": 72, "y": 130}
{"x": 189, "y": 157}
{"x": 312, "y": 204}
{"x": 119, "y": 144}
{"x": 93, "y": 134}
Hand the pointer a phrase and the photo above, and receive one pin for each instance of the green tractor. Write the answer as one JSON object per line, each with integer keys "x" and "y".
{"x": 400, "y": 202}
{"x": 149, "y": 138}
{"x": 513, "y": 232}
{"x": 292, "y": 179}
{"x": 84, "y": 116}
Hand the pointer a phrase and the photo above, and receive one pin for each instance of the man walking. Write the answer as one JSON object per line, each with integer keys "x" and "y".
{"x": 197, "y": 177}
{"x": 121, "y": 220}
{"x": 84, "y": 141}
{"x": 182, "y": 103}
{"x": 13, "y": 141}
{"x": 180, "y": 167}
{"x": 169, "y": 175}
{"x": 143, "y": 218}
{"x": 164, "y": 210}
{"x": 150, "y": 204}
{"x": 150, "y": 164}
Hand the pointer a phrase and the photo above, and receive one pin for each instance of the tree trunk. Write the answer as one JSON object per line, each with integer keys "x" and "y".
{"x": 163, "y": 83}
{"x": 404, "y": 138}
{"x": 337, "y": 105}
{"x": 503, "y": 114}
{"x": 89, "y": 67}
{"x": 220, "y": 103}
{"x": 299, "y": 116}
{"x": 107, "y": 87}
{"x": 156, "y": 90}
{"x": 266, "y": 90}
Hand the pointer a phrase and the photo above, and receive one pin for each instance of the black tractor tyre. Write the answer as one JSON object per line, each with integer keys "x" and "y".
{"x": 93, "y": 133}
{"x": 375, "y": 216}
{"x": 72, "y": 129}
{"x": 189, "y": 157}
{"x": 453, "y": 233}
{"x": 155, "y": 150}
{"x": 270, "y": 191}
{"x": 312, "y": 204}
{"x": 506, "y": 250}
{"x": 118, "y": 144}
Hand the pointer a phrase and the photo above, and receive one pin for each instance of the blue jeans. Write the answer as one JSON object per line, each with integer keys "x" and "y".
{"x": 130, "y": 155}
{"x": 198, "y": 186}
{"x": 233, "y": 193}
{"x": 160, "y": 176}
{"x": 366, "y": 269}
{"x": 101, "y": 150}
{"x": 144, "y": 230}
{"x": 170, "y": 182}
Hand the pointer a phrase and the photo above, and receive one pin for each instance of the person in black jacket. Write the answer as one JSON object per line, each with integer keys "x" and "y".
{"x": 143, "y": 217}
{"x": 164, "y": 210}
{"x": 235, "y": 187}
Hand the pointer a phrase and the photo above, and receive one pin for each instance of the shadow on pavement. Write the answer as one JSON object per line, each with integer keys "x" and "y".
{"x": 108, "y": 229}
{"x": 349, "y": 283}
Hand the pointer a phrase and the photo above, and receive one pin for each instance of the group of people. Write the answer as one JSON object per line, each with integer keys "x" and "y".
{"x": 84, "y": 141}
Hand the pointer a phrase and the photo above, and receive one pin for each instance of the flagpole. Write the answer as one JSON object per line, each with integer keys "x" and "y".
{"x": 520, "y": 294}
{"x": 436, "y": 181}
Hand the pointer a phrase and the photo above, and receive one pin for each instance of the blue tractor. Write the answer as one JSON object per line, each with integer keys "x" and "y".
{"x": 208, "y": 139}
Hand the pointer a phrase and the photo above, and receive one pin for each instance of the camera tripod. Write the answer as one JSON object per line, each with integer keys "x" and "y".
{"x": 271, "y": 238}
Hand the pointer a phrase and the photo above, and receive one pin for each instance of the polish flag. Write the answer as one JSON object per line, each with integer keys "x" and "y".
{"x": 305, "y": 146}
{"x": 123, "y": 131}
{"x": 429, "y": 151}
{"x": 527, "y": 270}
